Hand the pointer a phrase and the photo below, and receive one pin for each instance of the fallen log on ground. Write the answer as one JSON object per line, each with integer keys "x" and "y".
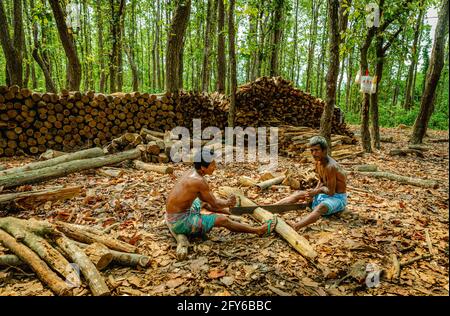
{"x": 83, "y": 154}
{"x": 366, "y": 168}
{"x": 123, "y": 258}
{"x": 39, "y": 245}
{"x": 387, "y": 139}
{"x": 10, "y": 261}
{"x": 96, "y": 282}
{"x": 268, "y": 183}
{"x": 32, "y": 198}
{"x": 287, "y": 232}
{"x": 66, "y": 168}
{"x": 99, "y": 254}
{"x": 149, "y": 167}
{"x": 405, "y": 152}
{"x": 50, "y": 153}
{"x": 43, "y": 272}
{"x": 89, "y": 236}
{"x": 402, "y": 179}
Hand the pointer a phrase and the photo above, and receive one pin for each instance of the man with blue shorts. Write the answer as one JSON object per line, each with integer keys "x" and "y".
{"x": 329, "y": 196}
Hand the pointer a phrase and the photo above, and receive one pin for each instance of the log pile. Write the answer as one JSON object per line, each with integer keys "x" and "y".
{"x": 31, "y": 122}
{"x": 273, "y": 101}
{"x": 47, "y": 248}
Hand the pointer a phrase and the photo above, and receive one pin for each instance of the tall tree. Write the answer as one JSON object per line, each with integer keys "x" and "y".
{"x": 100, "y": 49}
{"x": 333, "y": 70}
{"x": 315, "y": 6}
{"x": 207, "y": 48}
{"x": 117, "y": 9}
{"x": 13, "y": 48}
{"x": 232, "y": 53}
{"x": 175, "y": 44}
{"x": 433, "y": 75}
{"x": 277, "y": 24}
{"x": 413, "y": 65}
{"x": 67, "y": 40}
{"x": 221, "y": 63}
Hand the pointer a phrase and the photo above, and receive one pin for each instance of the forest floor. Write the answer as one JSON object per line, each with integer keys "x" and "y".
{"x": 384, "y": 217}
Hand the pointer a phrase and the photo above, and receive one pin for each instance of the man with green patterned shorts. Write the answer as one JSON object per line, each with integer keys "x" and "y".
{"x": 185, "y": 202}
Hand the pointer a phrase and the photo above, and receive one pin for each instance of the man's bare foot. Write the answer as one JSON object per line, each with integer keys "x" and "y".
{"x": 262, "y": 230}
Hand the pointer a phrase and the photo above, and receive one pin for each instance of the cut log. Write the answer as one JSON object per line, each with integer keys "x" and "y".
{"x": 64, "y": 169}
{"x": 149, "y": 167}
{"x": 421, "y": 147}
{"x": 32, "y": 198}
{"x": 403, "y": 179}
{"x": 50, "y": 154}
{"x": 182, "y": 244}
{"x": 89, "y": 237}
{"x": 387, "y": 139}
{"x": 83, "y": 154}
{"x": 39, "y": 245}
{"x": 96, "y": 282}
{"x": 287, "y": 232}
{"x": 247, "y": 181}
{"x": 123, "y": 258}
{"x": 10, "y": 261}
{"x": 43, "y": 272}
{"x": 405, "y": 152}
{"x": 441, "y": 140}
{"x": 268, "y": 183}
{"x": 99, "y": 254}
{"x": 366, "y": 168}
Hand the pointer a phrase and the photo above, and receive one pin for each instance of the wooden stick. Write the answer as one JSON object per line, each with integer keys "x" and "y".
{"x": 268, "y": 183}
{"x": 287, "y": 232}
{"x": 96, "y": 282}
{"x": 38, "y": 196}
{"x": 402, "y": 179}
{"x": 148, "y": 167}
{"x": 411, "y": 261}
{"x": 43, "y": 272}
{"x": 66, "y": 168}
{"x": 90, "y": 237}
{"x": 10, "y": 261}
{"x": 428, "y": 239}
{"x": 83, "y": 154}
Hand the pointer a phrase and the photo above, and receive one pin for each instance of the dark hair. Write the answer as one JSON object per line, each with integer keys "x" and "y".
{"x": 319, "y": 140}
{"x": 203, "y": 158}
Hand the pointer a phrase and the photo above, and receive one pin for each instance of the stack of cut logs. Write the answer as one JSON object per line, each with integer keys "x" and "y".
{"x": 274, "y": 101}
{"x": 293, "y": 142}
{"x": 44, "y": 247}
{"x": 31, "y": 122}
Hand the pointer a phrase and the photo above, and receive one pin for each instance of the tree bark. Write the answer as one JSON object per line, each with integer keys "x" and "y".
{"x": 207, "y": 48}
{"x": 67, "y": 40}
{"x": 102, "y": 70}
{"x": 333, "y": 70}
{"x": 175, "y": 44}
{"x": 433, "y": 75}
{"x": 221, "y": 47}
{"x": 232, "y": 53}
{"x": 13, "y": 48}
{"x": 277, "y": 31}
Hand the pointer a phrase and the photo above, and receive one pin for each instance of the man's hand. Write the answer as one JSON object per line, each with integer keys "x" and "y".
{"x": 311, "y": 193}
{"x": 231, "y": 201}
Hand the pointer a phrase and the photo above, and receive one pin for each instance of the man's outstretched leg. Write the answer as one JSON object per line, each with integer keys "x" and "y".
{"x": 223, "y": 221}
{"x": 318, "y": 211}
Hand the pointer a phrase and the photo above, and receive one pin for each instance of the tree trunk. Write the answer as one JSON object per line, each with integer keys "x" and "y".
{"x": 232, "y": 52}
{"x": 12, "y": 48}
{"x": 333, "y": 71}
{"x": 221, "y": 47}
{"x": 414, "y": 56}
{"x": 433, "y": 75}
{"x": 175, "y": 44}
{"x": 277, "y": 31}
{"x": 374, "y": 96}
{"x": 294, "y": 73}
{"x": 312, "y": 41}
{"x": 102, "y": 70}
{"x": 115, "y": 38}
{"x": 67, "y": 40}
{"x": 206, "y": 51}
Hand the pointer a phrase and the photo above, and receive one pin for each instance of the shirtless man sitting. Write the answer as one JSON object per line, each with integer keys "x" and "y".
{"x": 329, "y": 196}
{"x": 184, "y": 204}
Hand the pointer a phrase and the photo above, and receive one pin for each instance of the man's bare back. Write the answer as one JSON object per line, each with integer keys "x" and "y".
{"x": 185, "y": 191}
